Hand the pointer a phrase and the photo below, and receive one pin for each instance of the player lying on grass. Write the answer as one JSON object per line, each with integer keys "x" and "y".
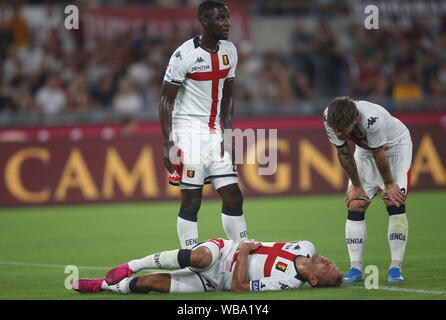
{"x": 220, "y": 264}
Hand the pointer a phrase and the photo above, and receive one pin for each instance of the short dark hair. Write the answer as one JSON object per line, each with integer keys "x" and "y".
{"x": 341, "y": 113}
{"x": 206, "y": 6}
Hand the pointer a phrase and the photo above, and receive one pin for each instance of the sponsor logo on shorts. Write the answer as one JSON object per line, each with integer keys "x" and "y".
{"x": 190, "y": 172}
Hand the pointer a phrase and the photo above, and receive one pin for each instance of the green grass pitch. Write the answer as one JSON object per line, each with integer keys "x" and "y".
{"x": 36, "y": 243}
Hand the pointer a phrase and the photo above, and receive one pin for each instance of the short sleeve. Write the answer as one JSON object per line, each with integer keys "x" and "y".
{"x": 275, "y": 283}
{"x": 376, "y": 131}
{"x": 233, "y": 61}
{"x": 177, "y": 69}
{"x": 330, "y": 132}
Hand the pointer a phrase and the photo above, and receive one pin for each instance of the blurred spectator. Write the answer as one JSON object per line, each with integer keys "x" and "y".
{"x": 126, "y": 100}
{"x": 329, "y": 62}
{"x": 103, "y": 92}
{"x": 31, "y": 58}
{"x": 140, "y": 73}
{"x": 51, "y": 98}
{"x": 79, "y": 94}
{"x": 302, "y": 86}
{"x": 5, "y": 99}
{"x": 302, "y": 50}
{"x": 22, "y": 100}
{"x": 406, "y": 92}
{"x": 19, "y": 27}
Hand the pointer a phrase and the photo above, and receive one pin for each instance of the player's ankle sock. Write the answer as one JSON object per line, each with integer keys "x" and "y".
{"x": 187, "y": 229}
{"x": 356, "y": 235}
{"x": 173, "y": 259}
{"x": 397, "y": 234}
{"x": 121, "y": 287}
{"x": 234, "y": 224}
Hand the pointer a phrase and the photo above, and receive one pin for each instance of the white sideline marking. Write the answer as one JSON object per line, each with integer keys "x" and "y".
{"x": 44, "y": 265}
{"x": 386, "y": 288}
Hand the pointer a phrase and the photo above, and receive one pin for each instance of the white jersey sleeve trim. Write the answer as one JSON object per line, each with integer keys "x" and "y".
{"x": 275, "y": 283}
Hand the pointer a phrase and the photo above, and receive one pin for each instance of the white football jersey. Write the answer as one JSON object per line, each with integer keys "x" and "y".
{"x": 271, "y": 267}
{"x": 201, "y": 75}
{"x": 377, "y": 127}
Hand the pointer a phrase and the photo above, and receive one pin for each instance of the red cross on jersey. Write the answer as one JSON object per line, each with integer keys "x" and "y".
{"x": 201, "y": 75}
{"x": 275, "y": 259}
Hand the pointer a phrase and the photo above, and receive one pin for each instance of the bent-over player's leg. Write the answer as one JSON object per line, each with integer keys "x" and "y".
{"x": 356, "y": 236}
{"x": 232, "y": 216}
{"x": 398, "y": 229}
{"x": 355, "y": 225}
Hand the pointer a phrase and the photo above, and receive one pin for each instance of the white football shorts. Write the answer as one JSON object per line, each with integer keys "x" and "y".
{"x": 400, "y": 160}
{"x": 201, "y": 162}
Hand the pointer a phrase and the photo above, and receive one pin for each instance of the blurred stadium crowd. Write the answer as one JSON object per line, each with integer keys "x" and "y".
{"x": 54, "y": 70}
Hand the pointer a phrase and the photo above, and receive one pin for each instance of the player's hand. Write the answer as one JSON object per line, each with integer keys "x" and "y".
{"x": 169, "y": 148}
{"x": 354, "y": 192}
{"x": 249, "y": 245}
{"x": 393, "y": 193}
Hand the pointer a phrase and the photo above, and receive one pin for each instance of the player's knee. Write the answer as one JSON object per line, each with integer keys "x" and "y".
{"x": 191, "y": 204}
{"x": 358, "y": 205}
{"x": 234, "y": 202}
{"x": 232, "y": 197}
{"x": 154, "y": 282}
{"x": 201, "y": 257}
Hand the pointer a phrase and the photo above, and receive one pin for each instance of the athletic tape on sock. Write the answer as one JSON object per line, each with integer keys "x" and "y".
{"x": 189, "y": 216}
{"x": 355, "y": 215}
{"x": 391, "y": 210}
{"x": 232, "y": 212}
{"x": 184, "y": 257}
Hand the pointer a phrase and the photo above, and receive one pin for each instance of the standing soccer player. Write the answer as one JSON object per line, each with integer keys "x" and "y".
{"x": 381, "y": 161}
{"x": 197, "y": 93}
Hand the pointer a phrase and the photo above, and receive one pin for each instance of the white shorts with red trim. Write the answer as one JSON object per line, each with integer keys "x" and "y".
{"x": 201, "y": 163}
{"x": 399, "y": 158}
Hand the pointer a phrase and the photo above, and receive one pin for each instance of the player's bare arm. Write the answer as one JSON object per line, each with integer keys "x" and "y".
{"x": 168, "y": 94}
{"x": 227, "y": 110}
{"x": 239, "y": 282}
{"x": 391, "y": 190}
{"x": 348, "y": 163}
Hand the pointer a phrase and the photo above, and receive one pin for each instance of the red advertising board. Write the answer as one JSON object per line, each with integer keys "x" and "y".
{"x": 93, "y": 169}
